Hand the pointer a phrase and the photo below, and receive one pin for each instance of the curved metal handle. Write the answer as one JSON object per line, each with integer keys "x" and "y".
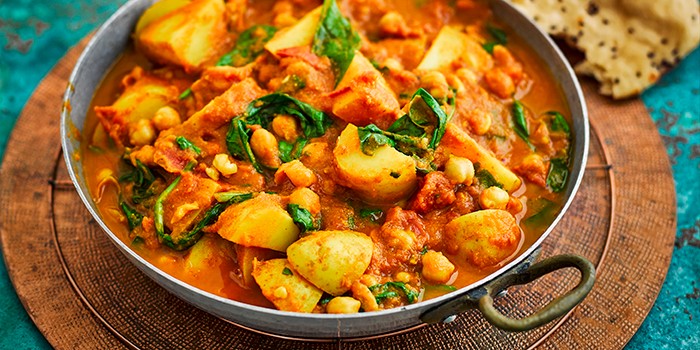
{"x": 555, "y": 309}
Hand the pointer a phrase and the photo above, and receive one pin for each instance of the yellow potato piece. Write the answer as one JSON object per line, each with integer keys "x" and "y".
{"x": 189, "y": 36}
{"x": 285, "y": 288}
{"x": 331, "y": 260}
{"x": 259, "y": 222}
{"x": 156, "y": 11}
{"x": 452, "y": 45}
{"x": 483, "y": 238}
{"x": 300, "y": 34}
{"x": 209, "y": 253}
{"x": 387, "y": 176}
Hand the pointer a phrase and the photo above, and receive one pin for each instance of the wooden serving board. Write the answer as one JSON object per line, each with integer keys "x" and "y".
{"x": 83, "y": 294}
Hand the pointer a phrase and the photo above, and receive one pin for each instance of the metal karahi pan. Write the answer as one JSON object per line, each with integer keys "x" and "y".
{"x": 114, "y": 36}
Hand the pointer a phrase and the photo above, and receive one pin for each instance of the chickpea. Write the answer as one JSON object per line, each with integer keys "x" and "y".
{"x": 436, "y": 267}
{"x": 224, "y": 165}
{"x": 306, "y": 199}
{"x": 403, "y": 276}
{"x": 280, "y": 292}
{"x": 286, "y": 127}
{"x": 401, "y": 239}
{"x": 212, "y": 173}
{"x": 500, "y": 83}
{"x": 265, "y": 147}
{"x": 362, "y": 293}
{"x": 479, "y": 121}
{"x": 436, "y": 83}
{"x": 494, "y": 198}
{"x": 460, "y": 170}
{"x": 343, "y": 305}
{"x": 166, "y": 118}
{"x": 141, "y": 133}
{"x": 297, "y": 172}
{"x": 392, "y": 23}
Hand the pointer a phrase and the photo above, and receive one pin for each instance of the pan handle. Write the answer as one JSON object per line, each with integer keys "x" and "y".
{"x": 483, "y": 298}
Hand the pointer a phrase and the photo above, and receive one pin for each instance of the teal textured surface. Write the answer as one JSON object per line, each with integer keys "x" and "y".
{"x": 34, "y": 35}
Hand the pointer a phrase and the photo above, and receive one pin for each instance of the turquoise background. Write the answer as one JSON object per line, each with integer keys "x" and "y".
{"x": 34, "y": 35}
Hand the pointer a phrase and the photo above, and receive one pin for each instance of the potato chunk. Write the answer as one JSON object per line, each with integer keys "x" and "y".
{"x": 284, "y": 287}
{"x": 300, "y": 34}
{"x": 462, "y": 145}
{"x": 189, "y": 36}
{"x": 387, "y": 176}
{"x": 144, "y": 94}
{"x": 332, "y": 260}
{"x": 483, "y": 238}
{"x": 209, "y": 253}
{"x": 453, "y": 45}
{"x": 246, "y": 256}
{"x": 259, "y": 222}
{"x": 364, "y": 97}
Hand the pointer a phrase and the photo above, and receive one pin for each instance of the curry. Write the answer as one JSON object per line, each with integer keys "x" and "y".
{"x": 327, "y": 157}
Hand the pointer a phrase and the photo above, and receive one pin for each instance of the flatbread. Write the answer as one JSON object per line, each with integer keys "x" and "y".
{"x": 628, "y": 44}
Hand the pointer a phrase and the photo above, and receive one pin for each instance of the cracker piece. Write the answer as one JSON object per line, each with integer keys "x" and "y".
{"x": 628, "y": 44}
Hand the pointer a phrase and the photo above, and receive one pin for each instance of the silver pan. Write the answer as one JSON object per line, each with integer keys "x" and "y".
{"x": 111, "y": 40}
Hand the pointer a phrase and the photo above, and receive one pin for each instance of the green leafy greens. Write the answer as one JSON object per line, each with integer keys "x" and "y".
{"x": 413, "y": 134}
{"x": 287, "y": 272}
{"x": 186, "y": 144}
{"x": 238, "y": 142}
{"x": 142, "y": 179}
{"x": 249, "y": 45}
{"x": 133, "y": 217}
{"x": 558, "y": 167}
{"x": 498, "y": 37}
{"x": 486, "y": 179}
{"x": 520, "y": 122}
{"x": 374, "y": 215}
{"x": 335, "y": 38}
{"x": 302, "y": 218}
{"x": 388, "y": 290}
{"x": 262, "y": 111}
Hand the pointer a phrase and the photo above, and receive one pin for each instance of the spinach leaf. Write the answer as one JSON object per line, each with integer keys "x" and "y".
{"x": 407, "y": 126}
{"x": 158, "y": 210}
{"x": 498, "y": 37}
{"x": 314, "y": 123}
{"x": 249, "y": 45}
{"x": 520, "y": 123}
{"x": 287, "y": 272}
{"x": 559, "y": 123}
{"x": 544, "y": 211}
{"x": 558, "y": 173}
{"x": 186, "y": 144}
{"x": 133, "y": 217}
{"x": 486, "y": 179}
{"x": 188, "y": 239}
{"x": 424, "y": 110}
{"x": 441, "y": 287}
{"x": 372, "y": 137}
{"x": 385, "y": 291}
{"x": 373, "y": 214}
{"x": 185, "y": 94}
{"x": 142, "y": 178}
{"x": 302, "y": 218}
{"x": 408, "y": 133}
{"x": 291, "y": 151}
{"x": 232, "y": 197}
{"x": 335, "y": 38}
{"x": 238, "y": 142}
